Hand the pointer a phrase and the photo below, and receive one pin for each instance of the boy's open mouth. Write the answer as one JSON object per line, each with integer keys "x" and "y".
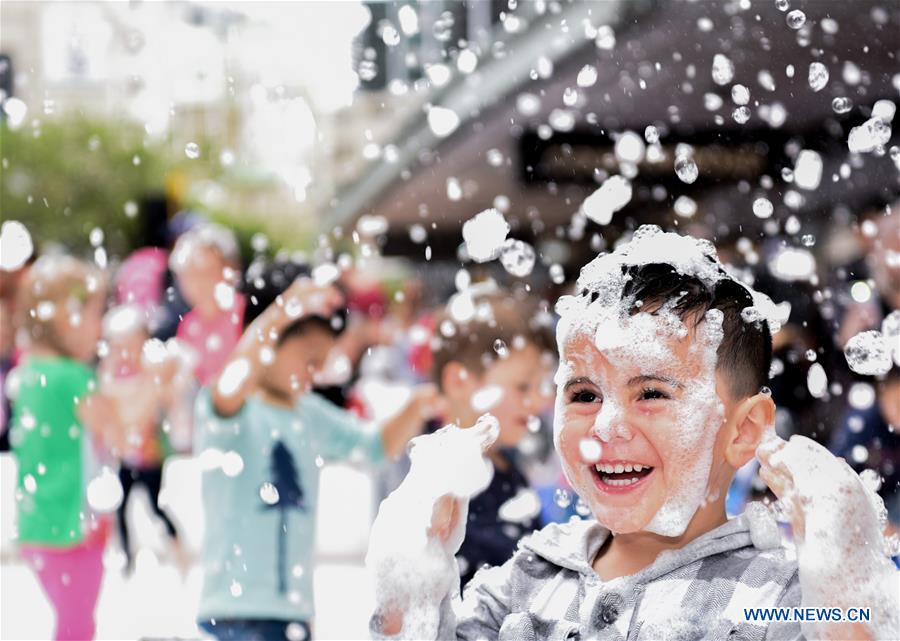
{"x": 620, "y": 475}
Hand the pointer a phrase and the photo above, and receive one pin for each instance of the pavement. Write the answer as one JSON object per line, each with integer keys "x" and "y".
{"x": 158, "y": 600}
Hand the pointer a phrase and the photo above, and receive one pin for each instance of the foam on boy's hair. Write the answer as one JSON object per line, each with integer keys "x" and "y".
{"x": 608, "y": 311}
{"x": 205, "y": 236}
{"x": 631, "y": 276}
{"x": 603, "y": 279}
{"x": 745, "y": 353}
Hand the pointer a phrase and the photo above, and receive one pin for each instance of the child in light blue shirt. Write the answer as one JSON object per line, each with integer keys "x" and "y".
{"x": 262, "y": 439}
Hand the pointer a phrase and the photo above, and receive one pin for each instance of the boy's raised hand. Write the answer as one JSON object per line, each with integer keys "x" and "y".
{"x": 428, "y": 401}
{"x": 240, "y": 376}
{"x": 421, "y": 525}
{"x": 305, "y": 298}
{"x": 837, "y": 525}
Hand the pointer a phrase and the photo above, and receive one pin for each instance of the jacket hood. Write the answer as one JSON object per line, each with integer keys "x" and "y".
{"x": 574, "y": 545}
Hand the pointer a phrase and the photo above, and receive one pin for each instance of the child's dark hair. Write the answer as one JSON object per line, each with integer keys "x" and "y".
{"x": 514, "y": 319}
{"x": 745, "y": 353}
{"x": 266, "y": 280}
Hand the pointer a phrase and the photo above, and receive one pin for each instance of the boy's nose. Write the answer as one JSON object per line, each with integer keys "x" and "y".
{"x": 610, "y": 424}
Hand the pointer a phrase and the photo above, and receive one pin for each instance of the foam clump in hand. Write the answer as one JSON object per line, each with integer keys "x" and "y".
{"x": 834, "y": 514}
{"x": 421, "y": 525}
{"x": 451, "y": 461}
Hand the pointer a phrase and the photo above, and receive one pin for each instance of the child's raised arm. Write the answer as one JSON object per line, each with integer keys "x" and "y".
{"x": 841, "y": 552}
{"x": 421, "y": 526}
{"x": 240, "y": 376}
{"x": 426, "y": 403}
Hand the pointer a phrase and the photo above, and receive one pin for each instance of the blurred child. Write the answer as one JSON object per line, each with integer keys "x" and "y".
{"x": 60, "y": 535}
{"x": 496, "y": 361}
{"x": 869, "y": 438}
{"x": 206, "y": 264}
{"x": 10, "y": 281}
{"x": 145, "y": 381}
{"x": 262, "y": 437}
{"x": 7, "y": 353}
{"x": 660, "y": 398}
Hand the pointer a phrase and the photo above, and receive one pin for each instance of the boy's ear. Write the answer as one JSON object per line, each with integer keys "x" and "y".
{"x": 456, "y": 382}
{"x": 751, "y": 418}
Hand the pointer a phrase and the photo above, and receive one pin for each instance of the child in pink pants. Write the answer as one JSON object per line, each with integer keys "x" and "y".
{"x": 60, "y": 426}
{"x": 71, "y": 580}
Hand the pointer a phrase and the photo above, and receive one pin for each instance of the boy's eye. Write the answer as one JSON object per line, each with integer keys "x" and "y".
{"x": 649, "y": 394}
{"x": 584, "y": 396}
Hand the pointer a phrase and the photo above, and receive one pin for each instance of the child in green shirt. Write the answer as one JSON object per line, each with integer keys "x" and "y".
{"x": 59, "y": 535}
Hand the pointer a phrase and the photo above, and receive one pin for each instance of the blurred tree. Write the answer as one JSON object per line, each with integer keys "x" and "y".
{"x": 64, "y": 175}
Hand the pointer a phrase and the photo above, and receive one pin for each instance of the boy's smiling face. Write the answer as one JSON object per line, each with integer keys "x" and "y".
{"x": 646, "y": 391}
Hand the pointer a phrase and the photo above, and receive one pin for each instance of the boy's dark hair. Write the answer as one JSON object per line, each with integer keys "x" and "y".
{"x": 266, "y": 280}
{"x": 514, "y": 317}
{"x": 745, "y": 353}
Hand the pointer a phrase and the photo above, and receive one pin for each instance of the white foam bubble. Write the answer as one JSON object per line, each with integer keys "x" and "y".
{"x": 722, "y": 69}
{"x": 16, "y": 246}
{"x": 869, "y": 136}
{"x": 590, "y": 450}
{"x": 123, "y": 320}
{"x": 808, "y": 169}
{"x": 486, "y": 398}
{"x": 869, "y": 353}
{"x": 613, "y": 195}
{"x": 521, "y": 508}
{"x": 818, "y": 76}
{"x": 517, "y": 257}
{"x": 442, "y": 121}
{"x": 817, "y": 380}
{"x": 104, "y": 492}
{"x": 233, "y": 376}
{"x": 484, "y": 235}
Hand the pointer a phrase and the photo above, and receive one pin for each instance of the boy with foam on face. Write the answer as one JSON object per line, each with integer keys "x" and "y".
{"x": 660, "y": 398}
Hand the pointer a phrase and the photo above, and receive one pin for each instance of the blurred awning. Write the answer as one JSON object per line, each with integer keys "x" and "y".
{"x": 657, "y": 73}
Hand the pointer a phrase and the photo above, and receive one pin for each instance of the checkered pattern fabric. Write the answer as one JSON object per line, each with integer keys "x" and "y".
{"x": 548, "y": 591}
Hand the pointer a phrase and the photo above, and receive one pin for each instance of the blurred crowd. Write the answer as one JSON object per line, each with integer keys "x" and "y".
{"x": 265, "y": 367}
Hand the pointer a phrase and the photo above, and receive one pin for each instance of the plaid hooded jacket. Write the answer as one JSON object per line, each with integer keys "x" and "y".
{"x": 549, "y": 591}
